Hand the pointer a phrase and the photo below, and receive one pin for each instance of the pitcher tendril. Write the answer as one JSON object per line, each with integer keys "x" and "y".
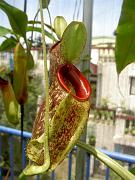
{"x": 46, "y": 119}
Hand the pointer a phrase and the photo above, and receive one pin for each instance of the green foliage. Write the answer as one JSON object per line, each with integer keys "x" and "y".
{"x": 104, "y": 115}
{"x": 72, "y": 44}
{"x": 3, "y": 118}
{"x": 117, "y": 168}
{"x": 125, "y": 36}
{"x": 31, "y": 105}
{"x": 93, "y": 95}
{"x": 30, "y": 61}
{"x": 60, "y": 25}
{"x": 73, "y": 41}
{"x": 19, "y": 23}
{"x": 38, "y": 29}
{"x": 4, "y": 71}
{"x": 8, "y": 44}
{"x": 4, "y": 31}
{"x": 132, "y": 170}
{"x": 20, "y": 74}
{"x": 30, "y": 110}
{"x": 113, "y": 175}
{"x": 38, "y": 22}
{"x": 2, "y": 112}
{"x": 92, "y": 140}
{"x": 133, "y": 131}
{"x": 17, "y": 18}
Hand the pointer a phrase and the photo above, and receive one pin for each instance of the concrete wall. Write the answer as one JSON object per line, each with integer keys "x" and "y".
{"x": 111, "y": 135}
{"x": 116, "y": 93}
{"x": 103, "y": 132}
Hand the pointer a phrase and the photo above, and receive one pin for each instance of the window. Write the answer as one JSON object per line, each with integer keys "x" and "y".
{"x": 132, "y": 85}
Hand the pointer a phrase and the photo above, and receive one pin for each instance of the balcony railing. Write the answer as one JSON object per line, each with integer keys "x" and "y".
{"x": 12, "y": 133}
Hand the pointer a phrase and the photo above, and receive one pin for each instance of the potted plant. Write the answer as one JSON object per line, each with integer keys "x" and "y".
{"x": 64, "y": 112}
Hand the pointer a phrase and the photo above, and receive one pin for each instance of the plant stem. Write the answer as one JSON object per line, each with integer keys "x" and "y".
{"x": 53, "y": 40}
{"x": 117, "y": 168}
{"x": 46, "y": 119}
{"x": 33, "y": 29}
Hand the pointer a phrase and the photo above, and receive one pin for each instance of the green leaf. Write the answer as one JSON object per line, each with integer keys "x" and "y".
{"x": 22, "y": 176}
{"x": 73, "y": 41}
{"x": 117, "y": 168}
{"x": 60, "y": 25}
{"x": 38, "y": 29}
{"x": 132, "y": 170}
{"x": 8, "y": 44}
{"x": 17, "y": 18}
{"x": 45, "y": 3}
{"x": 30, "y": 61}
{"x": 4, "y": 31}
{"x": 125, "y": 36}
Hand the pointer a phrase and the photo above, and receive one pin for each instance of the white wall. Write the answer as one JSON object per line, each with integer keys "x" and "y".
{"x": 116, "y": 93}
{"x": 103, "y": 131}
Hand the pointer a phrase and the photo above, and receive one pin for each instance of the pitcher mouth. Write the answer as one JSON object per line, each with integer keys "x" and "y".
{"x": 74, "y": 82}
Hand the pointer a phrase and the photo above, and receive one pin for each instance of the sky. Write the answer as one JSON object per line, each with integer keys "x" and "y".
{"x": 105, "y": 13}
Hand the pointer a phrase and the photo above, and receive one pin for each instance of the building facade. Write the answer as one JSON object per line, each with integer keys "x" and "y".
{"x": 117, "y": 91}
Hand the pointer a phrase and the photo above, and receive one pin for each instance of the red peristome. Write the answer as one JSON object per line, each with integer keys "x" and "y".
{"x": 68, "y": 73}
{"x": 3, "y": 83}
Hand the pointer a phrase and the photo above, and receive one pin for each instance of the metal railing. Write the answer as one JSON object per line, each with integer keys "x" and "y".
{"x": 26, "y": 135}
